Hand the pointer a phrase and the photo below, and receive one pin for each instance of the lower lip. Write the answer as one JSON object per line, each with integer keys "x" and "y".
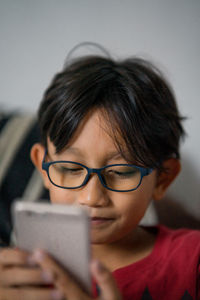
{"x": 100, "y": 221}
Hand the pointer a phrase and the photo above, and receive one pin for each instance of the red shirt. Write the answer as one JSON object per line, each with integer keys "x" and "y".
{"x": 170, "y": 272}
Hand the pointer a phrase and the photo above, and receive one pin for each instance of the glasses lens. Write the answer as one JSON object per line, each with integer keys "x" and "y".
{"x": 121, "y": 177}
{"x": 69, "y": 175}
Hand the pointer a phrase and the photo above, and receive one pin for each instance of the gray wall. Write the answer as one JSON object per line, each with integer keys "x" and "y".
{"x": 37, "y": 35}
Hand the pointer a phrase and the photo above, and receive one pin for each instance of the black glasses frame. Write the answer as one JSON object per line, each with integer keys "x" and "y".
{"x": 46, "y": 165}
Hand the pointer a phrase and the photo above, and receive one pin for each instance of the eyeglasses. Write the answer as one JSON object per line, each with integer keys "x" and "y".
{"x": 115, "y": 177}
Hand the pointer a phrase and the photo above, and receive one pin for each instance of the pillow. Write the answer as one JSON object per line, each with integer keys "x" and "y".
{"x": 18, "y": 177}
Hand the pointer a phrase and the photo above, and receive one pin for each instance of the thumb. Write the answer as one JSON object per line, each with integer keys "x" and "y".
{"x": 106, "y": 283}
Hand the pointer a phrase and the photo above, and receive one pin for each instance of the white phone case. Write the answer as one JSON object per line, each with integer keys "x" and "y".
{"x": 61, "y": 230}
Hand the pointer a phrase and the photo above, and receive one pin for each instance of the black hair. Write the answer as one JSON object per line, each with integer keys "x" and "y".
{"x": 137, "y": 101}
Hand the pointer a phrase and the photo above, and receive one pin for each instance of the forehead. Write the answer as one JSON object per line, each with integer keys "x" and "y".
{"x": 95, "y": 134}
{"x": 96, "y": 123}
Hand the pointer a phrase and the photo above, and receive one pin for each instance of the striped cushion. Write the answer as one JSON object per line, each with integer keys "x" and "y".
{"x": 18, "y": 177}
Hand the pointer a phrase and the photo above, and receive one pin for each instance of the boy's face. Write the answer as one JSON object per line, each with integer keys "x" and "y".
{"x": 114, "y": 215}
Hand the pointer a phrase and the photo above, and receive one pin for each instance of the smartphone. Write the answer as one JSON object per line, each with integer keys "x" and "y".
{"x": 61, "y": 230}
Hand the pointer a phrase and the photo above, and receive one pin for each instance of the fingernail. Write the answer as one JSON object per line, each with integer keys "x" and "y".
{"x": 56, "y": 295}
{"x": 30, "y": 261}
{"x": 38, "y": 256}
{"x": 47, "y": 276}
{"x": 98, "y": 266}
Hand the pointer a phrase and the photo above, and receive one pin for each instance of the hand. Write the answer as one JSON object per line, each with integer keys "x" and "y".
{"x": 67, "y": 288}
{"x": 19, "y": 280}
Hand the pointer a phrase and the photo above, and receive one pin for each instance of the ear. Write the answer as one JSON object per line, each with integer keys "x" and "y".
{"x": 37, "y": 154}
{"x": 172, "y": 168}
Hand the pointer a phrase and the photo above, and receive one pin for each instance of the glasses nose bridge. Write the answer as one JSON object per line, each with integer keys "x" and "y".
{"x": 94, "y": 171}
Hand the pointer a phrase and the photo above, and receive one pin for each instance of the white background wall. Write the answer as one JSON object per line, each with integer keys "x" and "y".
{"x": 35, "y": 37}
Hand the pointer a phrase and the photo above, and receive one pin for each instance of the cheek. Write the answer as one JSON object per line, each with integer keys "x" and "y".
{"x": 133, "y": 206}
{"x": 61, "y": 196}
{"x": 134, "y": 209}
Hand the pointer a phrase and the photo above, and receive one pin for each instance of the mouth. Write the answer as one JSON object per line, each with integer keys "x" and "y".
{"x": 99, "y": 221}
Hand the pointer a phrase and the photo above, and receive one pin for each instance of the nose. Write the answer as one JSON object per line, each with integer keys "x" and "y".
{"x": 93, "y": 194}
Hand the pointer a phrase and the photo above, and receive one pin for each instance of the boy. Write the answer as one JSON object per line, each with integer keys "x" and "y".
{"x": 110, "y": 133}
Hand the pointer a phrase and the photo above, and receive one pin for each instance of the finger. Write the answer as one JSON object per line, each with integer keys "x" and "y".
{"x": 107, "y": 285}
{"x": 9, "y": 256}
{"x": 27, "y": 294}
{"x": 24, "y": 276}
{"x": 63, "y": 281}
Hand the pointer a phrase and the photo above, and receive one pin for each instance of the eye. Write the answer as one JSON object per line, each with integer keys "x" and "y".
{"x": 68, "y": 168}
{"x": 122, "y": 172}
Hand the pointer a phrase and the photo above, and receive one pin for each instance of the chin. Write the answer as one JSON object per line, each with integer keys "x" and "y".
{"x": 100, "y": 239}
